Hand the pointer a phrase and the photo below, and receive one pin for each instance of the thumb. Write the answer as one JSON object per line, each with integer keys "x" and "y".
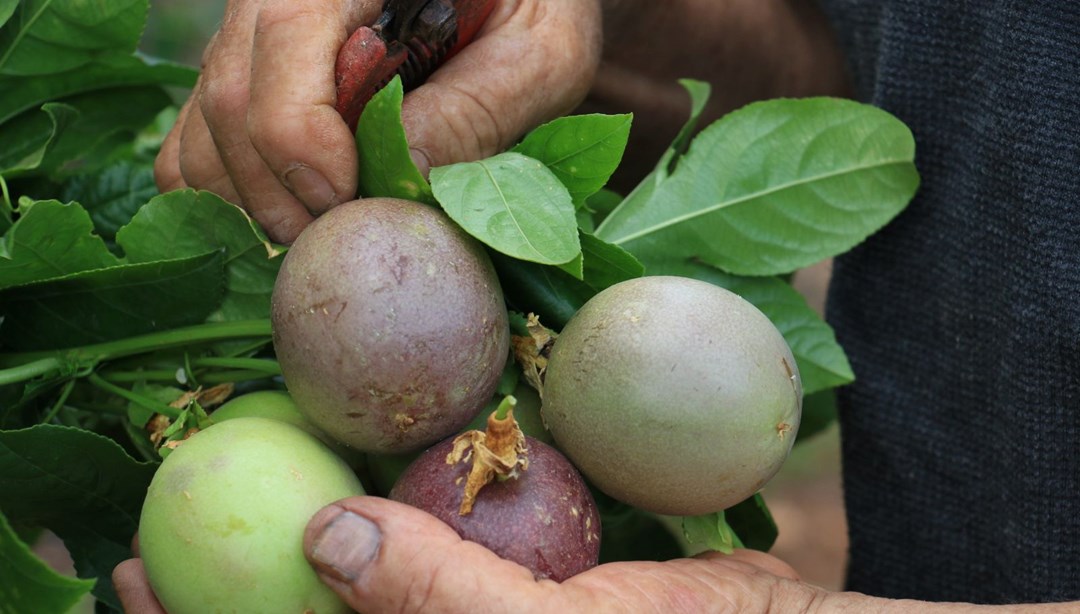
{"x": 533, "y": 60}
{"x": 385, "y": 556}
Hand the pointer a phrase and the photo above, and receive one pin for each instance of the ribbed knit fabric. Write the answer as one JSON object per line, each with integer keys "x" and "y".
{"x": 961, "y": 437}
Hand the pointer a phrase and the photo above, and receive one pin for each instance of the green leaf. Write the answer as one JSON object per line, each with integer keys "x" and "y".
{"x": 112, "y": 195}
{"x": 113, "y": 303}
{"x": 513, "y": 204}
{"x": 83, "y": 487}
{"x": 712, "y": 531}
{"x": 23, "y": 94}
{"x": 607, "y": 264}
{"x": 699, "y": 92}
{"x": 818, "y": 414}
{"x": 752, "y": 522}
{"x": 98, "y": 122}
{"x": 637, "y": 536}
{"x": 50, "y": 239}
{"x": 773, "y": 187}
{"x": 822, "y": 362}
{"x": 386, "y": 168}
{"x": 7, "y": 9}
{"x": 548, "y": 292}
{"x": 27, "y": 584}
{"x": 187, "y": 223}
{"x": 26, "y": 143}
{"x": 45, "y": 36}
{"x": 582, "y": 150}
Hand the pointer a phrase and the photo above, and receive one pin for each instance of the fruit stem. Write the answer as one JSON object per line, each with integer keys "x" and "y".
{"x": 505, "y": 408}
{"x": 497, "y": 453}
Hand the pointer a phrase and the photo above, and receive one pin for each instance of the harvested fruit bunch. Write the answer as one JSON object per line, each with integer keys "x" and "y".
{"x": 389, "y": 325}
{"x": 673, "y": 395}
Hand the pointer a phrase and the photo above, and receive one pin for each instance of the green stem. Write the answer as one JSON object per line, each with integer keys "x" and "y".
{"x": 136, "y": 398}
{"x": 508, "y": 403}
{"x": 220, "y": 377}
{"x": 30, "y": 370}
{"x": 151, "y": 375}
{"x": 175, "y": 338}
{"x": 68, "y": 387}
{"x": 264, "y": 365}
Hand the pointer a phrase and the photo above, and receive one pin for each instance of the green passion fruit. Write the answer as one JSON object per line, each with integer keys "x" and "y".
{"x": 673, "y": 395}
{"x": 389, "y": 325}
{"x": 223, "y": 522}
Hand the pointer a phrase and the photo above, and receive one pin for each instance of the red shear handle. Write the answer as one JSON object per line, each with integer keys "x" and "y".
{"x": 365, "y": 64}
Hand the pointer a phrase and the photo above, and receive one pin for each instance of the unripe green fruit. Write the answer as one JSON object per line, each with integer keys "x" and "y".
{"x": 673, "y": 395}
{"x": 278, "y": 405}
{"x": 223, "y": 523}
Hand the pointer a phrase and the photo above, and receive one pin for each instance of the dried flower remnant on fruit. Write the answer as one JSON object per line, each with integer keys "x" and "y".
{"x": 532, "y": 352}
{"x": 497, "y": 453}
{"x": 209, "y": 397}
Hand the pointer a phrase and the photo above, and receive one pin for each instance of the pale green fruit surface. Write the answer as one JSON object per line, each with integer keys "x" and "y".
{"x": 673, "y": 395}
{"x": 222, "y": 527}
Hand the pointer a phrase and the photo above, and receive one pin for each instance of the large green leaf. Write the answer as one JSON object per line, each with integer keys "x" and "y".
{"x": 50, "y": 239}
{"x": 582, "y": 150}
{"x": 7, "y": 9}
{"x": 95, "y": 124}
{"x": 27, "y": 142}
{"x": 513, "y": 204}
{"x": 112, "y": 195}
{"x": 773, "y": 187}
{"x": 82, "y": 486}
{"x": 188, "y": 223}
{"x": 48, "y": 36}
{"x": 28, "y": 585}
{"x": 386, "y": 168}
{"x": 113, "y": 303}
{"x": 23, "y": 94}
{"x": 822, "y": 362}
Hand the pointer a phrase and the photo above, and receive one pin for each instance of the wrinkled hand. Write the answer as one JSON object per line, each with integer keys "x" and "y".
{"x": 260, "y": 128}
{"x": 382, "y": 556}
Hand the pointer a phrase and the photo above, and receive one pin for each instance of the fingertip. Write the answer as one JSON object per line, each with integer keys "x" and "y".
{"x": 133, "y": 588}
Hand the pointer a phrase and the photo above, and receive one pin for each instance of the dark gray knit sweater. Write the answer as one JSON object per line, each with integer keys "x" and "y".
{"x": 961, "y": 437}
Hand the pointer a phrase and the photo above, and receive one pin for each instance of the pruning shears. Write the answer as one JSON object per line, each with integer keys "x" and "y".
{"x": 411, "y": 38}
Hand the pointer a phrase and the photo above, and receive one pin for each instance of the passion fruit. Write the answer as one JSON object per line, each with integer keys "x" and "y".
{"x": 544, "y": 519}
{"x": 389, "y": 325}
{"x": 223, "y": 523}
{"x": 673, "y": 395}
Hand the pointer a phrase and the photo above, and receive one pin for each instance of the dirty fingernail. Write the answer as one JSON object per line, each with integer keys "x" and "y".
{"x": 346, "y": 546}
{"x": 311, "y": 188}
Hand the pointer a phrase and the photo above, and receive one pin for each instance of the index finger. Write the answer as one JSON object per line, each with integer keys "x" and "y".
{"x": 292, "y": 120}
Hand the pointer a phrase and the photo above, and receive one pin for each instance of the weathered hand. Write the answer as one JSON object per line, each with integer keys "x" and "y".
{"x": 382, "y": 556}
{"x": 260, "y": 128}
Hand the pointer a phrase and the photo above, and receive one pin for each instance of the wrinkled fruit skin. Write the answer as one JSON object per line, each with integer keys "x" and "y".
{"x": 223, "y": 523}
{"x": 673, "y": 395}
{"x": 545, "y": 520}
{"x": 389, "y": 325}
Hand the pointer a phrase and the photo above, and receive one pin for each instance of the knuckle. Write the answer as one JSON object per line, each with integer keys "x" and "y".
{"x": 222, "y": 97}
